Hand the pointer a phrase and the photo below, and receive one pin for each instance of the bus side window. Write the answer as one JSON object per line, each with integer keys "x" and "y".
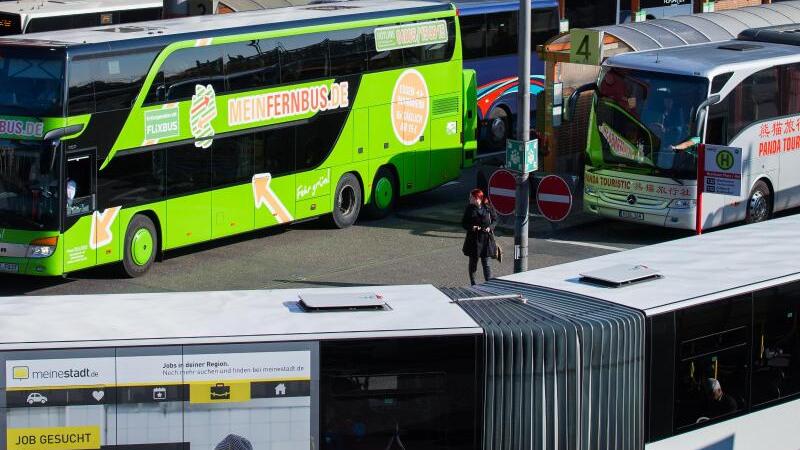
{"x": 348, "y": 52}
{"x": 544, "y": 25}
{"x": 251, "y": 65}
{"x": 473, "y": 36}
{"x": 79, "y": 185}
{"x": 776, "y": 343}
{"x": 790, "y": 84}
{"x": 119, "y": 78}
{"x": 304, "y": 58}
{"x": 81, "y": 87}
{"x": 186, "y": 68}
{"x": 502, "y": 35}
{"x": 711, "y": 377}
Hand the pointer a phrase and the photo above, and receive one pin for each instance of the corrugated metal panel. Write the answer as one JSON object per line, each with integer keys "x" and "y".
{"x": 711, "y": 29}
{"x": 562, "y": 371}
{"x": 685, "y": 32}
{"x": 789, "y": 9}
{"x": 748, "y": 17}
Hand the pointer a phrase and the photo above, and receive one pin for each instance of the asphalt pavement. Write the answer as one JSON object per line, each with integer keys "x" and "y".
{"x": 420, "y": 243}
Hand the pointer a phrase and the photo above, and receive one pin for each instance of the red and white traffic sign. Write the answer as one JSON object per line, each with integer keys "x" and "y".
{"x": 554, "y": 198}
{"x": 503, "y": 191}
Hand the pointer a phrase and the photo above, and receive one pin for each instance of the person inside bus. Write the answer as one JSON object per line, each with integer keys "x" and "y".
{"x": 479, "y": 221}
{"x": 718, "y": 403}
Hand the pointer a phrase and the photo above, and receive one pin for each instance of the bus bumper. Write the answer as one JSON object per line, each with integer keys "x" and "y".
{"x": 15, "y": 258}
{"x": 681, "y": 218}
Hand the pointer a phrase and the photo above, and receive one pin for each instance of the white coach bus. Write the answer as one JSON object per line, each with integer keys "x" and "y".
{"x": 31, "y": 16}
{"x": 691, "y": 344}
{"x": 653, "y": 108}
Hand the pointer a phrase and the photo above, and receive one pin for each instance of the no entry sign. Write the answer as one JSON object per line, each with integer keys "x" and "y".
{"x": 554, "y": 198}
{"x": 502, "y": 191}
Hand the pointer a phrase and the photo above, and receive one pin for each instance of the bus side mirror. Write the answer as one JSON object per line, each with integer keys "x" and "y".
{"x": 572, "y": 102}
{"x": 701, "y": 110}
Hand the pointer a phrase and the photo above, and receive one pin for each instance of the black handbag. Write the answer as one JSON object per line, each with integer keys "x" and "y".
{"x": 498, "y": 250}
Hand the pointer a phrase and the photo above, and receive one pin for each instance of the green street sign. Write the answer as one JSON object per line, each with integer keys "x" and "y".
{"x": 586, "y": 46}
{"x": 522, "y": 156}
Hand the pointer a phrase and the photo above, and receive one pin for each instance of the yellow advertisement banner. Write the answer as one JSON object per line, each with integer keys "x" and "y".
{"x": 220, "y": 392}
{"x": 53, "y": 438}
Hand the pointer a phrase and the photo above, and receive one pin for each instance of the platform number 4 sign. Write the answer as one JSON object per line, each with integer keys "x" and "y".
{"x": 585, "y": 46}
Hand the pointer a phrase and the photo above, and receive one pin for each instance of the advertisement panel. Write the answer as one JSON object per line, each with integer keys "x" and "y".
{"x": 237, "y": 396}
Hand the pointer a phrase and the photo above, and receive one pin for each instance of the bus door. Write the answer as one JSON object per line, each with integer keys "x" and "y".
{"x": 83, "y": 232}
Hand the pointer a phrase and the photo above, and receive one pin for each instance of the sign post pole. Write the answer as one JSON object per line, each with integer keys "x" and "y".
{"x": 524, "y": 135}
{"x": 701, "y": 177}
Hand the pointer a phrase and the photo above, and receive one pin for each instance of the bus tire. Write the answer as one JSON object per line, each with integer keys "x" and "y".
{"x": 499, "y": 127}
{"x": 141, "y": 246}
{"x": 346, "y": 202}
{"x": 759, "y": 205}
{"x": 384, "y": 194}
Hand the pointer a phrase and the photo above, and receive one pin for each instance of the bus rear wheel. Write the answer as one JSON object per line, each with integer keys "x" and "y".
{"x": 140, "y": 246}
{"x": 347, "y": 201}
{"x": 759, "y": 205}
{"x": 384, "y": 194}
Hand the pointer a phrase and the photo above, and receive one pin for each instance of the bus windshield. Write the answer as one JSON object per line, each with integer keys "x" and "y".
{"x": 29, "y": 185}
{"x": 642, "y": 116}
{"x": 31, "y": 82}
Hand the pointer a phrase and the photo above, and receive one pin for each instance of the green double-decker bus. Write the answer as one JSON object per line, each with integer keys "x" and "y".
{"x": 118, "y": 143}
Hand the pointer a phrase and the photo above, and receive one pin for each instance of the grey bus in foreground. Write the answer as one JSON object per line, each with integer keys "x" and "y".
{"x": 690, "y": 344}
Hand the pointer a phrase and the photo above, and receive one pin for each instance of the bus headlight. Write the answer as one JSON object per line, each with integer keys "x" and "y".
{"x": 682, "y": 203}
{"x": 42, "y": 248}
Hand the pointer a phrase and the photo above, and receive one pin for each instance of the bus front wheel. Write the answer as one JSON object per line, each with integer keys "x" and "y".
{"x": 347, "y": 201}
{"x": 140, "y": 246}
{"x": 759, "y": 205}
{"x": 499, "y": 127}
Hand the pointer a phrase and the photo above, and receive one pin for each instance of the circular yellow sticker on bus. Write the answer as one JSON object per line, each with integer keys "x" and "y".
{"x": 410, "y": 107}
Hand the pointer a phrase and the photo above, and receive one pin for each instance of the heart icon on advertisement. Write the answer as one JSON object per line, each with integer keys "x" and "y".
{"x": 98, "y": 395}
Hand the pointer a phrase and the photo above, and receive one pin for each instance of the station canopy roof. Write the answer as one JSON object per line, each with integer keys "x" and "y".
{"x": 683, "y": 30}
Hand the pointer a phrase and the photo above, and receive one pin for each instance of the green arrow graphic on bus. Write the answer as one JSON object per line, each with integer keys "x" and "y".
{"x": 204, "y": 110}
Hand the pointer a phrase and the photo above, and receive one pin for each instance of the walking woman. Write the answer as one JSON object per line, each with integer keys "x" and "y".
{"x": 479, "y": 221}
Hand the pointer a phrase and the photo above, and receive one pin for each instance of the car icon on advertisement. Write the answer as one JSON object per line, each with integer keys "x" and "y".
{"x": 36, "y": 397}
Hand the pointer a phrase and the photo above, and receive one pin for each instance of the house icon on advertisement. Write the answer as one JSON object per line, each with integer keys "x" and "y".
{"x": 280, "y": 389}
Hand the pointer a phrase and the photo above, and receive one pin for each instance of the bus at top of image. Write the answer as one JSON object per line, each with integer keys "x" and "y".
{"x": 31, "y": 16}
{"x": 655, "y": 348}
{"x": 490, "y": 41}
{"x": 653, "y": 108}
{"x": 117, "y": 143}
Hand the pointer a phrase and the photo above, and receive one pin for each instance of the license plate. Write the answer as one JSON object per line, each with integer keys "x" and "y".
{"x": 9, "y": 267}
{"x": 631, "y": 215}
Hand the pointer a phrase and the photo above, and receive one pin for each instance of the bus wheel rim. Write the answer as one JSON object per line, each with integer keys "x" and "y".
{"x": 141, "y": 246}
{"x": 758, "y": 207}
{"x": 346, "y": 200}
{"x": 384, "y": 193}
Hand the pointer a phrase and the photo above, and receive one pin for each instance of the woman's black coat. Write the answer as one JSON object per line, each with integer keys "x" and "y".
{"x": 479, "y": 243}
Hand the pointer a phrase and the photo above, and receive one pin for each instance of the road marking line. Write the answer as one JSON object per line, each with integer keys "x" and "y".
{"x": 554, "y": 198}
{"x": 588, "y": 244}
{"x": 502, "y": 192}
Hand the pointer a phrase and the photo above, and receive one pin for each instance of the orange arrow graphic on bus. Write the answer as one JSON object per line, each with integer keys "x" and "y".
{"x": 263, "y": 195}
{"x": 101, "y": 227}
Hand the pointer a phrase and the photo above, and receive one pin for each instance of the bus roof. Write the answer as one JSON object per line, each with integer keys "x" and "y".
{"x": 470, "y": 7}
{"x": 694, "y": 269}
{"x": 49, "y": 8}
{"x": 707, "y": 60}
{"x": 209, "y": 317}
{"x": 229, "y": 24}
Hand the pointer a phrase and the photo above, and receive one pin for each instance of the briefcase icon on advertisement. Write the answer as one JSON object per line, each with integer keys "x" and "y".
{"x": 220, "y": 392}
